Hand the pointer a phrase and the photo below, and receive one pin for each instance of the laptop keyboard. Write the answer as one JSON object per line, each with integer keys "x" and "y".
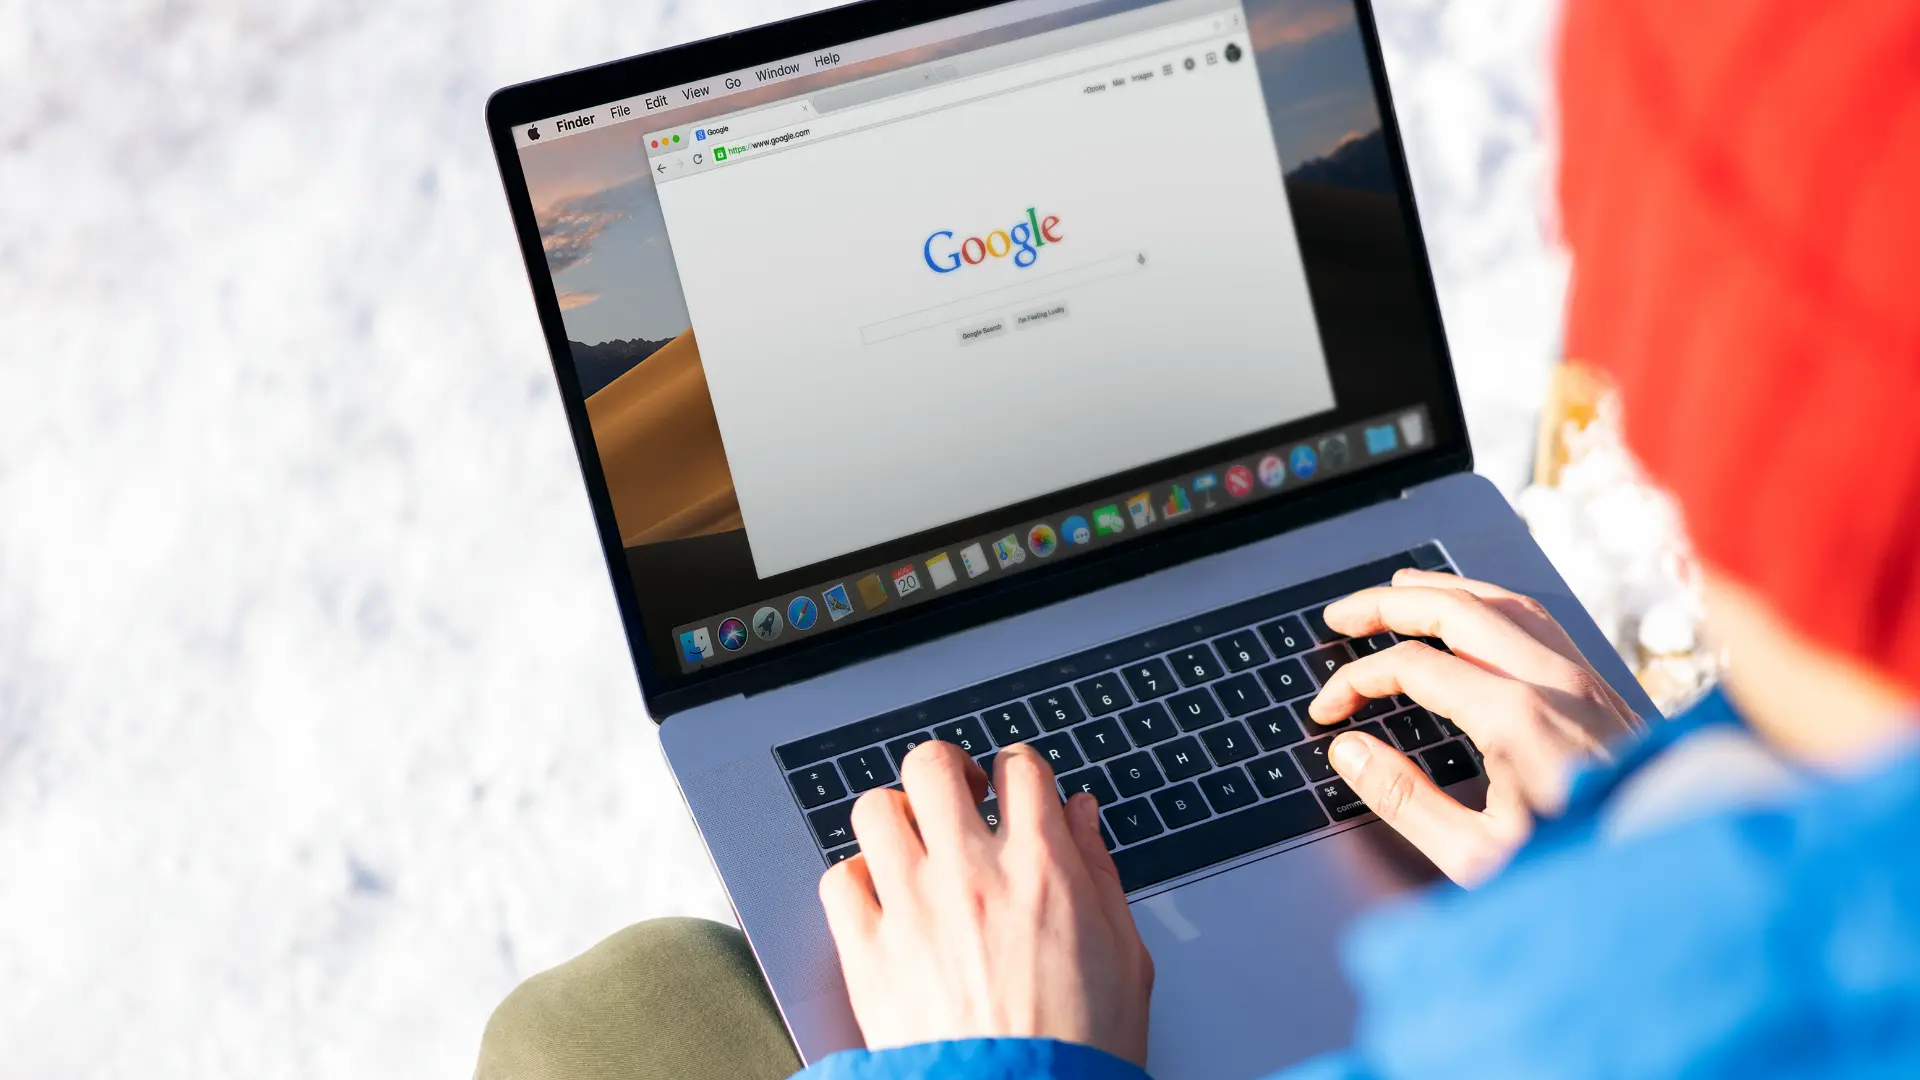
{"x": 1192, "y": 736}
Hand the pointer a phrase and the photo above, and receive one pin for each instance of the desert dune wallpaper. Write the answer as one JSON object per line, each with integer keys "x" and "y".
{"x": 635, "y": 355}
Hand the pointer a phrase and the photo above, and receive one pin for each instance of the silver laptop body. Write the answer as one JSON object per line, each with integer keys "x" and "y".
{"x": 1024, "y": 371}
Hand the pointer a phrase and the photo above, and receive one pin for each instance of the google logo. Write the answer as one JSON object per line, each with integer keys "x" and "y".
{"x": 1023, "y": 240}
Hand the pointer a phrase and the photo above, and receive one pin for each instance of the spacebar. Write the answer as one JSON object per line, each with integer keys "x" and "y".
{"x": 1219, "y": 840}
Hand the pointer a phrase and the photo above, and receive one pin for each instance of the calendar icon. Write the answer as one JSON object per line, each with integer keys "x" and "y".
{"x": 906, "y": 581}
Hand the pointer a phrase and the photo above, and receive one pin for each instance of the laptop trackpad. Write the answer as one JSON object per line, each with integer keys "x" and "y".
{"x": 1247, "y": 975}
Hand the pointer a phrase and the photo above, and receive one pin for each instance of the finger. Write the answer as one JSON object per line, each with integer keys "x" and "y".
{"x": 1525, "y": 612}
{"x": 1445, "y": 684}
{"x": 853, "y": 910}
{"x": 1083, "y": 823}
{"x": 1470, "y": 626}
{"x": 889, "y": 842}
{"x": 1533, "y": 618}
{"x": 1396, "y": 789}
{"x": 944, "y": 787}
{"x": 1029, "y": 798}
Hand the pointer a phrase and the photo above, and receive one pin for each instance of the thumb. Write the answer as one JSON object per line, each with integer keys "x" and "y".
{"x": 1455, "y": 838}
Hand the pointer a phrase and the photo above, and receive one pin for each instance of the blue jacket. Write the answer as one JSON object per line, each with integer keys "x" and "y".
{"x": 1775, "y": 942}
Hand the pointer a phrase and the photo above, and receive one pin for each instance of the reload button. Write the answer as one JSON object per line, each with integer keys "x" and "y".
{"x": 980, "y": 331}
{"x": 1052, "y": 311}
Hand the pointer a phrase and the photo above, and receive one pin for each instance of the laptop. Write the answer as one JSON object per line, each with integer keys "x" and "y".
{"x": 1031, "y": 371}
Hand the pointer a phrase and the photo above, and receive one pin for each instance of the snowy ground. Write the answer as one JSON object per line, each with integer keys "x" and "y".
{"x": 316, "y": 728}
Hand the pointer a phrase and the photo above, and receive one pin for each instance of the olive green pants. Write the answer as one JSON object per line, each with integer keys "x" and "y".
{"x": 670, "y": 999}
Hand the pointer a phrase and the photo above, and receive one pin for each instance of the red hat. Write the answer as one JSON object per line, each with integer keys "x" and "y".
{"x": 1740, "y": 188}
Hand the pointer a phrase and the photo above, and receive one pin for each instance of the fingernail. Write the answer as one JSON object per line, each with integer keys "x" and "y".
{"x": 1349, "y": 753}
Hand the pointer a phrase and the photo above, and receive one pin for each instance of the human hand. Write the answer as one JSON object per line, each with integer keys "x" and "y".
{"x": 948, "y": 930}
{"x": 1514, "y": 682}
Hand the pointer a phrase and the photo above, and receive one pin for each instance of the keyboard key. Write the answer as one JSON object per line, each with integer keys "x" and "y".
{"x": 1275, "y": 774}
{"x": 1227, "y": 790}
{"x": 1375, "y": 707}
{"x": 1275, "y": 728}
{"x": 1228, "y": 743}
{"x": 965, "y": 733}
{"x": 1106, "y": 836}
{"x": 1307, "y": 723}
{"x": 1057, "y": 708}
{"x": 1339, "y": 799}
{"x": 866, "y": 769}
{"x": 817, "y": 784}
{"x": 1182, "y": 758}
{"x": 1217, "y": 840}
{"x": 1092, "y": 781}
{"x": 1195, "y": 664}
{"x": 1241, "y": 650}
{"x": 832, "y": 825}
{"x": 1195, "y": 709}
{"x": 1380, "y": 642}
{"x": 1322, "y": 663}
{"x": 1058, "y": 749}
{"x": 1132, "y": 822}
{"x": 1313, "y": 760}
{"x": 1285, "y": 680}
{"x": 1285, "y": 637}
{"x": 1316, "y": 620}
{"x": 1010, "y": 723}
{"x": 1413, "y": 730}
{"x": 1149, "y": 679}
{"x": 1148, "y": 724}
{"x": 1240, "y": 695}
{"x": 1134, "y": 774}
{"x": 1447, "y": 727}
{"x": 1101, "y": 739}
{"x": 986, "y": 766}
{"x": 1102, "y": 694}
{"x": 899, "y": 748}
{"x": 1449, "y": 763}
{"x": 1180, "y": 805}
{"x": 842, "y": 854}
{"x": 990, "y": 813}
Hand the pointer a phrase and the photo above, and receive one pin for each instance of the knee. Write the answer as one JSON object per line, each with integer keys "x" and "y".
{"x": 631, "y": 1006}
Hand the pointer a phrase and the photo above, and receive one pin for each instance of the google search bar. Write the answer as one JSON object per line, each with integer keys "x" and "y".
{"x": 992, "y": 301}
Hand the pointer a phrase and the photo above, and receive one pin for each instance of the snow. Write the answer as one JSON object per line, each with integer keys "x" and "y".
{"x": 317, "y": 729}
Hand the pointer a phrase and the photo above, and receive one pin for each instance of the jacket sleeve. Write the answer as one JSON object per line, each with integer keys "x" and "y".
{"x": 975, "y": 1059}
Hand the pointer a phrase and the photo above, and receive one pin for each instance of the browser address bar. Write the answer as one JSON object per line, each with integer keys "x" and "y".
{"x": 960, "y": 91}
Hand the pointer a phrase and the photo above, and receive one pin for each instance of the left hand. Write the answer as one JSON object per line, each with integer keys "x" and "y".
{"x": 948, "y": 930}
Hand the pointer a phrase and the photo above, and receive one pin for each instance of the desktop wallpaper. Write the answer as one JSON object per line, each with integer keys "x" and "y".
{"x": 638, "y": 357}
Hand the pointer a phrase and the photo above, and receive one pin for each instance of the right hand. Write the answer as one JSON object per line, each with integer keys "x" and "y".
{"x": 1514, "y": 682}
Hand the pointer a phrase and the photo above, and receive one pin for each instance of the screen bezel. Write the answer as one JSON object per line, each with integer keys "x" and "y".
{"x": 664, "y": 689}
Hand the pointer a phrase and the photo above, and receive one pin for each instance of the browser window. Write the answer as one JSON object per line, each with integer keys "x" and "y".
{"x": 922, "y": 308}
{"x": 873, "y": 326}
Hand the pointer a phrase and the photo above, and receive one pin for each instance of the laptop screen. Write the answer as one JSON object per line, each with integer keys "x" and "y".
{"x": 866, "y": 328}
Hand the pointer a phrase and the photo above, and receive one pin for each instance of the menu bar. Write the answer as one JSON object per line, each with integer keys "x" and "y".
{"x": 702, "y": 91}
{"x": 794, "y": 616}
